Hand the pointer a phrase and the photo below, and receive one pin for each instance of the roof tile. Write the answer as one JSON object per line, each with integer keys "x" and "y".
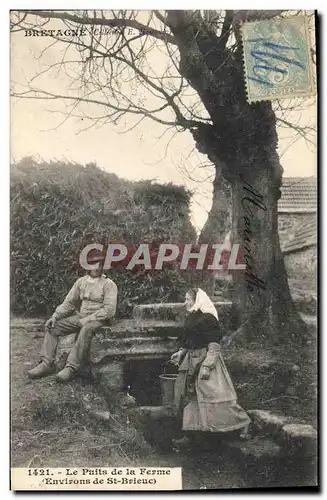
{"x": 299, "y": 195}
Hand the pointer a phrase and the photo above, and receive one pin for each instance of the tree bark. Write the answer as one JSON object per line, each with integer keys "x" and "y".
{"x": 219, "y": 221}
{"x": 243, "y": 141}
{"x": 261, "y": 290}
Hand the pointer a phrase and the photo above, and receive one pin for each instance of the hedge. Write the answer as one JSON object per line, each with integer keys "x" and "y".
{"x": 57, "y": 208}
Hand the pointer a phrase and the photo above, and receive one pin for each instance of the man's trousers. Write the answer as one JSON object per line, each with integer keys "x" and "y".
{"x": 79, "y": 352}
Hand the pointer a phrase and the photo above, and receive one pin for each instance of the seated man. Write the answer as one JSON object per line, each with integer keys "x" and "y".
{"x": 97, "y": 296}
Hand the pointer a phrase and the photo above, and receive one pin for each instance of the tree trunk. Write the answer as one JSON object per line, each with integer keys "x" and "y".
{"x": 242, "y": 139}
{"x": 219, "y": 221}
{"x": 261, "y": 290}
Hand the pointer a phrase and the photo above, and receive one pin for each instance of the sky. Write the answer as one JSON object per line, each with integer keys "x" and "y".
{"x": 148, "y": 152}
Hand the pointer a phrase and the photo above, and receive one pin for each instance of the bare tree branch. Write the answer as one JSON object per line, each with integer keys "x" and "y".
{"x": 194, "y": 85}
{"x": 255, "y": 15}
{"x": 228, "y": 21}
{"x": 87, "y": 21}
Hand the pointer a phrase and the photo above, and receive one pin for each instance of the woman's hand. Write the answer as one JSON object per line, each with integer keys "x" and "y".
{"x": 225, "y": 341}
{"x": 176, "y": 357}
{"x": 204, "y": 373}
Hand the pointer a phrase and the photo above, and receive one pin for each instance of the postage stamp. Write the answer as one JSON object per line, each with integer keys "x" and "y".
{"x": 277, "y": 59}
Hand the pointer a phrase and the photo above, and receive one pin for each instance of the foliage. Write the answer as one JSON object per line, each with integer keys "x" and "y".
{"x": 57, "y": 208}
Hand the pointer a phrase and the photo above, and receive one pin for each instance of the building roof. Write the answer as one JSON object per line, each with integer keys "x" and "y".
{"x": 304, "y": 236}
{"x": 299, "y": 195}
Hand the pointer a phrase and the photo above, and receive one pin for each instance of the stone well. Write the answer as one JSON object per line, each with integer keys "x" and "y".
{"x": 151, "y": 334}
{"x": 133, "y": 352}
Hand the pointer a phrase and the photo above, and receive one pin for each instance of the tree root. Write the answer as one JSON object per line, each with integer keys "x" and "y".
{"x": 239, "y": 336}
{"x": 294, "y": 331}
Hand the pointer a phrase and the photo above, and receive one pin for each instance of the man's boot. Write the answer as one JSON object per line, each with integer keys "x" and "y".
{"x": 41, "y": 370}
{"x": 66, "y": 375}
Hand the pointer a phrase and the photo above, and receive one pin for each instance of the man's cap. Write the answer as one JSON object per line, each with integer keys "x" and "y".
{"x": 95, "y": 256}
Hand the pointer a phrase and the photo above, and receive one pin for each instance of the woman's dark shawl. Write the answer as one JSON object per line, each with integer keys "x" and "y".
{"x": 199, "y": 330}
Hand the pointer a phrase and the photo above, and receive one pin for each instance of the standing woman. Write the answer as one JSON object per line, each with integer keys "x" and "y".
{"x": 204, "y": 393}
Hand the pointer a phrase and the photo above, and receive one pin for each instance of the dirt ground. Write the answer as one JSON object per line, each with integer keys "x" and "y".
{"x": 51, "y": 426}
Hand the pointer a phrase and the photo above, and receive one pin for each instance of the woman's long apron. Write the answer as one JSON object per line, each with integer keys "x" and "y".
{"x": 207, "y": 405}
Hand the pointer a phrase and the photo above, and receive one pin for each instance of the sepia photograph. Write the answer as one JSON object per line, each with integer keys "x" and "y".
{"x": 163, "y": 250}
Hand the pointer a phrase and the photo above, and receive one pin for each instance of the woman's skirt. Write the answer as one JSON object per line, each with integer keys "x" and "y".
{"x": 207, "y": 405}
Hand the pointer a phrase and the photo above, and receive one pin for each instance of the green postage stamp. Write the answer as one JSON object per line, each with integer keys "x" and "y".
{"x": 277, "y": 60}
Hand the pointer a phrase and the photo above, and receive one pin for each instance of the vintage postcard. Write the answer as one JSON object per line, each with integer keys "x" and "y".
{"x": 163, "y": 250}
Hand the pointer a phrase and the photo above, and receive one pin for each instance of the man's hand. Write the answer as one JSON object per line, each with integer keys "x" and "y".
{"x": 204, "y": 373}
{"x": 83, "y": 321}
{"x": 51, "y": 322}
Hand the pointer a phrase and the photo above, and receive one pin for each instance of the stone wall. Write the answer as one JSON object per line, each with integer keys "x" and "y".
{"x": 287, "y": 223}
{"x": 302, "y": 265}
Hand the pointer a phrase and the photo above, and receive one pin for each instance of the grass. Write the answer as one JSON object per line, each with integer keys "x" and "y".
{"x": 51, "y": 425}
{"x": 277, "y": 378}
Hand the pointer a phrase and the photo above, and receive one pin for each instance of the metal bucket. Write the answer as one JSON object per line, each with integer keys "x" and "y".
{"x": 167, "y": 382}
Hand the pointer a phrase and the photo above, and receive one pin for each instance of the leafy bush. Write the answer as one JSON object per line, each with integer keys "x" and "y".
{"x": 57, "y": 208}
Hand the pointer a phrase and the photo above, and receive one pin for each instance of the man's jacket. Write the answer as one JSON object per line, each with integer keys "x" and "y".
{"x": 96, "y": 299}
